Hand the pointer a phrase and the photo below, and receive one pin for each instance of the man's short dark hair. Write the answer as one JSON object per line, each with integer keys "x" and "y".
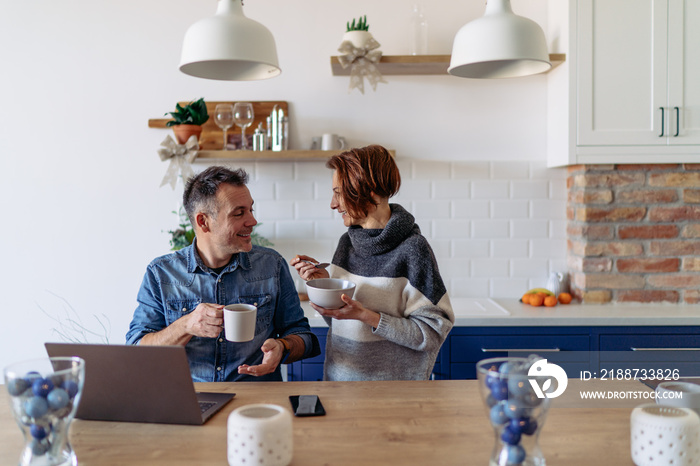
{"x": 200, "y": 190}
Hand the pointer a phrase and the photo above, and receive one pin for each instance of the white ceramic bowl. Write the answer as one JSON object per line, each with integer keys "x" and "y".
{"x": 326, "y": 292}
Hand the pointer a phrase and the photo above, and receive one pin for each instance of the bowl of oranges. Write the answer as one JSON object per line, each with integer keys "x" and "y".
{"x": 543, "y": 297}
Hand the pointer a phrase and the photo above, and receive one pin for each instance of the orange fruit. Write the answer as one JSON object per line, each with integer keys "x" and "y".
{"x": 536, "y": 300}
{"x": 550, "y": 301}
{"x": 526, "y": 298}
{"x": 564, "y": 298}
{"x": 542, "y": 293}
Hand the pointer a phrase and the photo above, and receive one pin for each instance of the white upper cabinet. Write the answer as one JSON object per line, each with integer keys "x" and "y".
{"x": 633, "y": 81}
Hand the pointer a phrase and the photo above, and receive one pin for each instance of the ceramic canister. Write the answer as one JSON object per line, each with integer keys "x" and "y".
{"x": 664, "y": 435}
{"x": 260, "y": 434}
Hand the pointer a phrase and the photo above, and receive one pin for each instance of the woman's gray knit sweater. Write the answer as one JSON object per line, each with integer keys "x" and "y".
{"x": 397, "y": 276}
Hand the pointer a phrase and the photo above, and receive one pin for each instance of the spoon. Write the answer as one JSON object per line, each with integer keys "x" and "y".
{"x": 321, "y": 265}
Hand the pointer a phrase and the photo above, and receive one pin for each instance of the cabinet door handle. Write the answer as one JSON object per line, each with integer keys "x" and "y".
{"x": 663, "y": 124}
{"x": 678, "y": 121}
{"x": 520, "y": 350}
{"x": 664, "y": 349}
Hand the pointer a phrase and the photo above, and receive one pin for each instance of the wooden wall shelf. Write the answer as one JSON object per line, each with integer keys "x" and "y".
{"x": 212, "y": 138}
{"x": 206, "y": 156}
{"x": 414, "y": 65}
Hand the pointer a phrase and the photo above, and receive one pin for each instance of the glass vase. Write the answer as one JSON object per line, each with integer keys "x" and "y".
{"x": 44, "y": 394}
{"x": 515, "y": 411}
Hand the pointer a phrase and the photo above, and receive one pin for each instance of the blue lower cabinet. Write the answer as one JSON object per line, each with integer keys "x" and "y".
{"x": 575, "y": 349}
{"x": 566, "y": 346}
{"x": 310, "y": 369}
{"x": 656, "y": 352}
{"x": 311, "y": 372}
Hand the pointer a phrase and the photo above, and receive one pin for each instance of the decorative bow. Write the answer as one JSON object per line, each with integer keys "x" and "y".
{"x": 363, "y": 61}
{"x": 181, "y": 156}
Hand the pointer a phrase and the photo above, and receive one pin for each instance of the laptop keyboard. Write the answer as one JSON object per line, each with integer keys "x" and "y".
{"x": 204, "y": 405}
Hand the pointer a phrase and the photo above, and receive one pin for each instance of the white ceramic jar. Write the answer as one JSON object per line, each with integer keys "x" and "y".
{"x": 260, "y": 434}
{"x": 664, "y": 435}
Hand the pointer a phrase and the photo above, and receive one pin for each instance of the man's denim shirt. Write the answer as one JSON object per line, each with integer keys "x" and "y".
{"x": 176, "y": 283}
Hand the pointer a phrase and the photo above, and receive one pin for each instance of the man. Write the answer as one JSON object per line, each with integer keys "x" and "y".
{"x": 182, "y": 296}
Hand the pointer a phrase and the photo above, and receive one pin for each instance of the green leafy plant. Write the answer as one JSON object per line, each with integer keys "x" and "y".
{"x": 361, "y": 24}
{"x": 184, "y": 234}
{"x": 194, "y": 113}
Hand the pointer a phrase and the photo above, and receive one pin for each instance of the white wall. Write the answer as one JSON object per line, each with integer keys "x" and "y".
{"x": 80, "y": 194}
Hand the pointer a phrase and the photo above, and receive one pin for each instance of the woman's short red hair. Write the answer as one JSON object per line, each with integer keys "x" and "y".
{"x": 362, "y": 172}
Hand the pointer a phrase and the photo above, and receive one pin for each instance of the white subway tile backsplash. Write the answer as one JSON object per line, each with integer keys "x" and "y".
{"x": 510, "y": 248}
{"x": 539, "y": 171}
{"x": 557, "y": 189}
{"x": 550, "y": 248}
{"x": 262, "y": 191}
{"x": 323, "y": 191}
{"x": 312, "y": 170}
{"x": 496, "y": 228}
{"x": 414, "y": 190}
{"x": 529, "y": 190}
{"x": 452, "y": 228}
{"x": 471, "y": 209}
{"x": 454, "y": 268}
{"x": 490, "y": 229}
{"x": 508, "y": 287}
{"x": 530, "y": 228}
{"x": 510, "y": 170}
{"x": 451, "y": 189}
{"x": 490, "y": 189}
{"x": 426, "y": 170}
{"x": 510, "y": 209}
{"x": 471, "y": 248}
{"x": 471, "y": 170}
{"x": 329, "y": 229}
{"x": 490, "y": 268}
{"x": 550, "y": 209}
{"x": 440, "y": 247}
{"x": 274, "y": 171}
{"x": 525, "y": 268}
{"x": 557, "y": 229}
{"x": 294, "y": 191}
{"x": 266, "y": 211}
{"x": 306, "y": 210}
{"x": 469, "y": 287}
{"x": 296, "y": 230}
{"x": 426, "y": 210}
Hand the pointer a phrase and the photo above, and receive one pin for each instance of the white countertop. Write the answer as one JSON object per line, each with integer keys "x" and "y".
{"x": 485, "y": 312}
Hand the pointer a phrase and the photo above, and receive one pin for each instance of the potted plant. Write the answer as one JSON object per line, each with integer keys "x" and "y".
{"x": 188, "y": 120}
{"x": 357, "y": 33}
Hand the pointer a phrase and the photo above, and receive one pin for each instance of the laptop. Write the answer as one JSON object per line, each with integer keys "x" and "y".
{"x": 139, "y": 384}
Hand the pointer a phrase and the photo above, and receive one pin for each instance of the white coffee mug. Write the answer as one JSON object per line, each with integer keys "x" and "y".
{"x": 239, "y": 322}
{"x": 332, "y": 142}
{"x": 679, "y": 394}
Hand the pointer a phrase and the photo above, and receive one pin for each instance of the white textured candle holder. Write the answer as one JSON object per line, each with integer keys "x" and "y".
{"x": 664, "y": 435}
{"x": 260, "y": 434}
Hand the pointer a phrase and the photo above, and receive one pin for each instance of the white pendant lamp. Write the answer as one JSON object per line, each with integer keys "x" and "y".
{"x": 500, "y": 44}
{"x": 229, "y": 47}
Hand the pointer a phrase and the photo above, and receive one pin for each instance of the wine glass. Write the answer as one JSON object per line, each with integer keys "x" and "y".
{"x": 223, "y": 117}
{"x": 243, "y": 117}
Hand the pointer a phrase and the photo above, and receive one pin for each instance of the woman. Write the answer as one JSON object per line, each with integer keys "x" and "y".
{"x": 400, "y": 314}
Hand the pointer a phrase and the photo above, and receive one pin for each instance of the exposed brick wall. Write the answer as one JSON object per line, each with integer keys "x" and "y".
{"x": 633, "y": 232}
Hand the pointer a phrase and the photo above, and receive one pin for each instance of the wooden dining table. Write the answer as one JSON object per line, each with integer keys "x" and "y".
{"x": 442, "y": 422}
